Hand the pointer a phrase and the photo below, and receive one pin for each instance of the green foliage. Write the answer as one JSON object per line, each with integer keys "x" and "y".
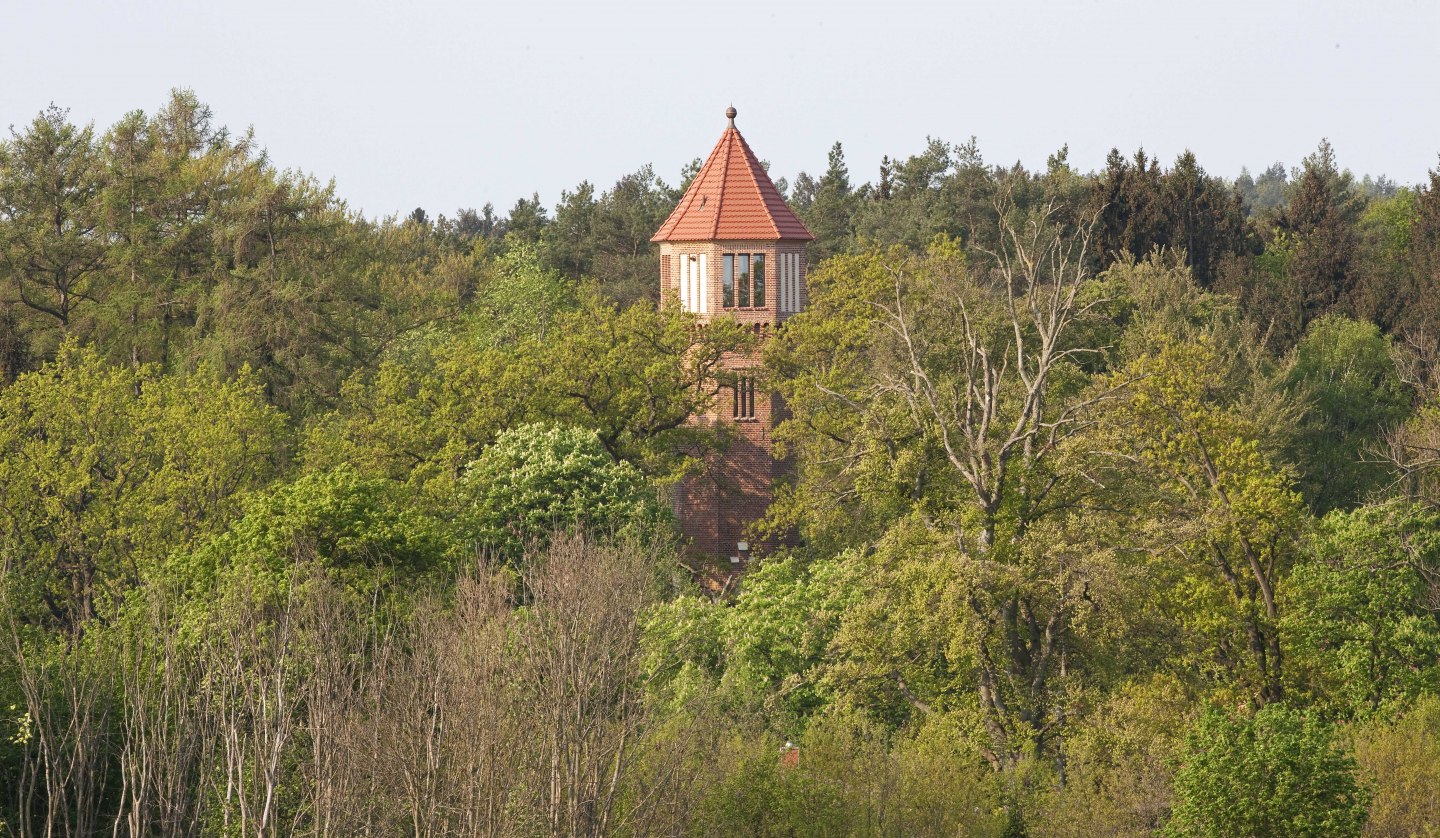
{"x": 535, "y": 479}
{"x": 828, "y": 348}
{"x": 932, "y": 405}
{"x": 1278, "y": 773}
{"x": 332, "y": 519}
{"x": 1075, "y": 456}
{"x": 1364, "y": 633}
{"x": 1118, "y": 764}
{"x": 1204, "y": 484}
{"x": 828, "y": 206}
{"x": 769, "y": 650}
{"x": 1345, "y": 375}
{"x": 1157, "y": 298}
{"x": 1310, "y": 262}
{"x": 608, "y": 238}
{"x": 520, "y": 299}
{"x": 105, "y": 470}
{"x": 1386, "y": 290}
{"x": 51, "y": 257}
{"x": 633, "y": 375}
{"x": 851, "y": 778}
{"x": 171, "y": 241}
{"x": 1400, "y": 758}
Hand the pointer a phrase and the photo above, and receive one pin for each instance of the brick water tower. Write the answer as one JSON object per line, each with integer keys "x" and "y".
{"x": 733, "y": 248}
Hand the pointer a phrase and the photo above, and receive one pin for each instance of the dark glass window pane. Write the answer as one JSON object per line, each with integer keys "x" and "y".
{"x": 758, "y": 270}
{"x": 744, "y": 279}
{"x": 727, "y": 280}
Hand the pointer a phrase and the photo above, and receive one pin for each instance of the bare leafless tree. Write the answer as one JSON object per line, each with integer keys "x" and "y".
{"x": 68, "y": 707}
{"x": 255, "y": 689}
{"x": 166, "y": 732}
{"x": 577, "y": 647}
{"x": 509, "y": 703}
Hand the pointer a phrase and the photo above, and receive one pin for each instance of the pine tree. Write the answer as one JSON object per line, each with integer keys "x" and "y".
{"x": 51, "y": 249}
{"x": 1320, "y": 219}
{"x": 1131, "y": 216}
{"x": 831, "y": 214}
{"x": 1204, "y": 218}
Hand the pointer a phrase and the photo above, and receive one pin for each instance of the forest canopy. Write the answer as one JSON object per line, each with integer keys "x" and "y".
{"x": 1117, "y": 494}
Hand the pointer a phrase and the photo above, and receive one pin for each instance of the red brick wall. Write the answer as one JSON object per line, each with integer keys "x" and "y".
{"x": 718, "y": 508}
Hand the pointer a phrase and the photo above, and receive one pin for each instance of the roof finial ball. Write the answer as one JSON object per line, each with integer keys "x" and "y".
{"x": 730, "y": 115}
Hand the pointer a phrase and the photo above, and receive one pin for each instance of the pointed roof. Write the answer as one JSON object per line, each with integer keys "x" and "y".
{"x": 732, "y": 198}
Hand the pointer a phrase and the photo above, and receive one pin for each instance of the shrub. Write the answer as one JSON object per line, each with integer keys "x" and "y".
{"x": 1278, "y": 773}
{"x": 1401, "y": 757}
{"x": 537, "y": 478}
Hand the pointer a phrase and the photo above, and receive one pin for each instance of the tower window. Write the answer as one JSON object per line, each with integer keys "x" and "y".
{"x": 744, "y": 395}
{"x": 742, "y": 280}
{"x": 788, "y": 275}
{"x": 727, "y": 280}
{"x": 742, "y": 277}
{"x": 693, "y": 291}
{"x": 757, "y": 280}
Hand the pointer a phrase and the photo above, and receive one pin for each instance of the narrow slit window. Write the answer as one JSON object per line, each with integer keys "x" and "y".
{"x": 744, "y": 395}
{"x": 795, "y": 282}
{"x": 757, "y": 279}
{"x": 785, "y": 282}
{"x": 743, "y": 278}
{"x": 727, "y": 280}
{"x": 745, "y": 398}
{"x": 682, "y": 275}
{"x": 702, "y": 293}
{"x": 687, "y": 269}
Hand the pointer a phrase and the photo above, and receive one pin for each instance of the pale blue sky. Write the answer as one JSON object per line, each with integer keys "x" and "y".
{"x": 450, "y": 104}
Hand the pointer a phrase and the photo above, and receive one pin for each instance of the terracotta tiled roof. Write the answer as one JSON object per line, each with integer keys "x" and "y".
{"x": 732, "y": 198}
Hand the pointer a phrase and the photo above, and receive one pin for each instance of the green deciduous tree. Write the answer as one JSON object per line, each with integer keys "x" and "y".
{"x": 633, "y": 375}
{"x": 1345, "y": 376}
{"x": 852, "y": 777}
{"x": 1389, "y": 265}
{"x": 1278, "y": 773}
{"x": 1400, "y": 759}
{"x": 1119, "y": 763}
{"x": 105, "y": 470}
{"x": 767, "y": 651}
{"x": 535, "y": 479}
{"x": 932, "y": 405}
{"x": 1362, "y": 628}
{"x": 335, "y": 519}
{"x": 1198, "y": 462}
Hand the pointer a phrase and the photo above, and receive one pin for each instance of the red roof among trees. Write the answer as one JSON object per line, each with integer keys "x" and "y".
{"x": 732, "y": 198}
